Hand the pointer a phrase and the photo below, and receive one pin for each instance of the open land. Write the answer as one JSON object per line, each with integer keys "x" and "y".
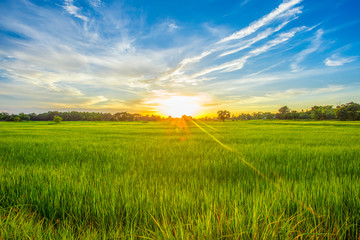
{"x": 180, "y": 180}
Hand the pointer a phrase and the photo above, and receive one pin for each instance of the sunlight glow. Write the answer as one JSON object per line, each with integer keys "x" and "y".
{"x": 176, "y": 106}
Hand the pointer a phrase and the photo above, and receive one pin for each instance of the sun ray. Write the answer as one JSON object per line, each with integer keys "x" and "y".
{"x": 276, "y": 183}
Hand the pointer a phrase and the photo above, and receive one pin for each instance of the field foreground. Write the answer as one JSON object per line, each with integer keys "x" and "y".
{"x": 180, "y": 180}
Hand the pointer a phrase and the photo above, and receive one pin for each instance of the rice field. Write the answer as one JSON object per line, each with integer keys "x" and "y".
{"x": 180, "y": 180}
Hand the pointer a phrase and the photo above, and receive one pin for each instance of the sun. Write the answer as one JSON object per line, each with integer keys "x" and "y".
{"x": 176, "y": 106}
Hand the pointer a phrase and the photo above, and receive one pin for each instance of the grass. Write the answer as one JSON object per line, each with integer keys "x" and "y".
{"x": 173, "y": 180}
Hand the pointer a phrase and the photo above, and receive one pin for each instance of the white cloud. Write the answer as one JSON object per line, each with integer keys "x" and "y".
{"x": 265, "y": 69}
{"x": 244, "y": 2}
{"x": 254, "y": 40}
{"x": 240, "y": 62}
{"x": 275, "y": 96}
{"x": 228, "y": 66}
{"x": 283, "y": 37}
{"x": 74, "y": 10}
{"x": 293, "y": 12}
{"x": 96, "y": 100}
{"x": 95, "y": 3}
{"x": 253, "y": 27}
{"x": 315, "y": 44}
{"x": 255, "y": 81}
{"x": 329, "y": 89}
{"x": 335, "y": 60}
{"x": 172, "y": 27}
{"x": 186, "y": 61}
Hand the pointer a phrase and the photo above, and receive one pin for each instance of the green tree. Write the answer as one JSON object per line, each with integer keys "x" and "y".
{"x": 268, "y": 115}
{"x": 17, "y": 119}
{"x": 322, "y": 112}
{"x": 349, "y": 111}
{"x": 223, "y": 114}
{"x": 57, "y": 119}
{"x": 353, "y": 111}
{"x": 4, "y": 116}
{"x": 283, "y": 113}
{"x": 283, "y": 110}
{"x": 24, "y": 117}
{"x": 294, "y": 114}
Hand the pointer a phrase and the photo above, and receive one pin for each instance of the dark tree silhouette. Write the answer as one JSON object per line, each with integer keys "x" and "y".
{"x": 223, "y": 114}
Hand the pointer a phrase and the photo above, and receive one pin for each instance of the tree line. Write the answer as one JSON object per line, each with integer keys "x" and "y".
{"x": 349, "y": 111}
{"x": 79, "y": 116}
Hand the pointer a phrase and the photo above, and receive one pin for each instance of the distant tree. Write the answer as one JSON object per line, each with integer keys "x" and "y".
{"x": 137, "y": 117}
{"x": 57, "y": 119}
{"x": 258, "y": 115}
{"x": 32, "y": 116}
{"x": 349, "y": 111}
{"x": 304, "y": 115}
{"x": 294, "y": 114}
{"x": 322, "y": 112}
{"x": 124, "y": 116}
{"x": 283, "y": 110}
{"x": 341, "y": 112}
{"x": 353, "y": 110}
{"x": 223, "y": 114}
{"x": 244, "y": 116}
{"x": 24, "y": 117}
{"x": 4, "y": 116}
{"x": 268, "y": 115}
{"x": 17, "y": 119}
{"x": 283, "y": 113}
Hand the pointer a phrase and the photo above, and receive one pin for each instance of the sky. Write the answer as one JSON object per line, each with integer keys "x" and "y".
{"x": 146, "y": 56}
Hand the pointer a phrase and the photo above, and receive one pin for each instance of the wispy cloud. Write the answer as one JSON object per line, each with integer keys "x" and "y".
{"x": 335, "y": 60}
{"x": 253, "y": 27}
{"x": 314, "y": 46}
{"x": 250, "y": 42}
{"x": 265, "y": 69}
{"x": 95, "y": 3}
{"x": 167, "y": 25}
{"x": 186, "y": 61}
{"x": 173, "y": 26}
{"x": 257, "y": 81}
{"x": 280, "y": 95}
{"x": 283, "y": 37}
{"x": 244, "y": 2}
{"x": 240, "y": 62}
{"x": 74, "y": 10}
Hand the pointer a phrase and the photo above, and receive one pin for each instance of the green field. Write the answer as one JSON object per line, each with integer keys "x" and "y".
{"x": 180, "y": 180}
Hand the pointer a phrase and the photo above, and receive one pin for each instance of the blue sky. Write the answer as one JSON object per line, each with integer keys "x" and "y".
{"x": 243, "y": 56}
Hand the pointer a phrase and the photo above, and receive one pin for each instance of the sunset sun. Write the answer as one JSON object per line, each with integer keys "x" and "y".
{"x": 176, "y": 106}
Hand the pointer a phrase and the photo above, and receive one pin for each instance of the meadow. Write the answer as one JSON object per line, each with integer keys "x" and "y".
{"x": 180, "y": 180}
